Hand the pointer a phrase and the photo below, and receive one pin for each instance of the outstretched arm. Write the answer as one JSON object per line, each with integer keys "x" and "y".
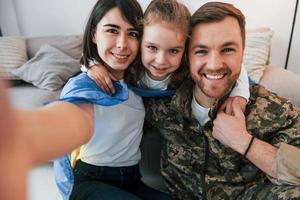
{"x": 13, "y": 156}
{"x": 46, "y": 132}
{"x": 29, "y": 137}
{"x": 53, "y": 130}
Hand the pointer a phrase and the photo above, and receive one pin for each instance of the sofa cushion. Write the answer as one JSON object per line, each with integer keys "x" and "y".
{"x": 257, "y": 52}
{"x": 70, "y": 45}
{"x": 12, "y": 55}
{"x": 283, "y": 82}
{"x": 28, "y": 96}
{"x": 49, "y": 69}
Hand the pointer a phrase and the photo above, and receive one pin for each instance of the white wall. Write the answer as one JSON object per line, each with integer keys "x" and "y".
{"x": 276, "y": 14}
{"x": 8, "y": 20}
{"x": 52, "y": 17}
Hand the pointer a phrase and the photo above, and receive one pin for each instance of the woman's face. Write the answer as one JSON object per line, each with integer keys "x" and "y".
{"x": 117, "y": 41}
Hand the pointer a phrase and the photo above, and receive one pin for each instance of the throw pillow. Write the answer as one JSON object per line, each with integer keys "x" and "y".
{"x": 49, "y": 69}
{"x": 12, "y": 55}
{"x": 257, "y": 52}
{"x": 69, "y": 44}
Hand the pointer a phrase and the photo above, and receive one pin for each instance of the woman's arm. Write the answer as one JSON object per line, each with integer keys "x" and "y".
{"x": 53, "y": 130}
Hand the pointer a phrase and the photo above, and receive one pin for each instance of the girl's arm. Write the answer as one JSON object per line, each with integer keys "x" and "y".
{"x": 242, "y": 87}
{"x": 240, "y": 92}
{"x": 101, "y": 76}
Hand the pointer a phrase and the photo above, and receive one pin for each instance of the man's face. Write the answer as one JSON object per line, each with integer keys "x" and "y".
{"x": 215, "y": 56}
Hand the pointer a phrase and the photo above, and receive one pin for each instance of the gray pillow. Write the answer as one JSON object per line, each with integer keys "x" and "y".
{"x": 49, "y": 69}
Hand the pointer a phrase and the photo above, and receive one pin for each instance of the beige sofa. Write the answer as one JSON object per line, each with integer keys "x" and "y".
{"x": 26, "y": 95}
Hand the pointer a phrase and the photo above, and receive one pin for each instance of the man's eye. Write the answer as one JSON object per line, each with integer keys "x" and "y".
{"x": 133, "y": 34}
{"x": 152, "y": 48}
{"x": 228, "y": 50}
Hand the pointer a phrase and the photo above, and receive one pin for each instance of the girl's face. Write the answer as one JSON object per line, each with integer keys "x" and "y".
{"x": 162, "y": 49}
{"x": 117, "y": 42}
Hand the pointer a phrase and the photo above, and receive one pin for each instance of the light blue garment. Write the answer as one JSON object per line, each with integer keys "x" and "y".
{"x": 82, "y": 89}
{"x": 64, "y": 177}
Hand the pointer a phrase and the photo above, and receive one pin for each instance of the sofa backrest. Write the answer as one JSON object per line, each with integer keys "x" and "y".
{"x": 69, "y": 44}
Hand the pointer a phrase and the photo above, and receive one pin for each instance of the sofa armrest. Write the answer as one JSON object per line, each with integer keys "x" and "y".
{"x": 282, "y": 82}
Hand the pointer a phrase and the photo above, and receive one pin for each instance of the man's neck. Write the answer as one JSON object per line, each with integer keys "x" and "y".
{"x": 202, "y": 99}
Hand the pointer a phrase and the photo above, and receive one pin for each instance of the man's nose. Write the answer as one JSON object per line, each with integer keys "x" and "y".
{"x": 214, "y": 61}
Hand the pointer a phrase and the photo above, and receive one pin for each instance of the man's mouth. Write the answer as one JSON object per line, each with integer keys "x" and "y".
{"x": 214, "y": 76}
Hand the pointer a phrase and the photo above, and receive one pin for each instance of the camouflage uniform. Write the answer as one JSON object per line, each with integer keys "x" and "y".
{"x": 197, "y": 166}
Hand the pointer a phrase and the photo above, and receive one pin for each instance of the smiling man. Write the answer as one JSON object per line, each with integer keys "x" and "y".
{"x": 205, "y": 157}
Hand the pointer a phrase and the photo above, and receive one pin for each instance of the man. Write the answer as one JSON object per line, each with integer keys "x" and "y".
{"x": 225, "y": 161}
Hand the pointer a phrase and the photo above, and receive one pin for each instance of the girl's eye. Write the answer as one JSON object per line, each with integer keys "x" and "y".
{"x": 174, "y": 51}
{"x": 114, "y": 31}
{"x": 201, "y": 52}
{"x": 228, "y": 50}
{"x": 152, "y": 48}
{"x": 134, "y": 34}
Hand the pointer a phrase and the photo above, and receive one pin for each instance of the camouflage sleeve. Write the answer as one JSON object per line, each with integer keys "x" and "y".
{"x": 277, "y": 121}
{"x": 288, "y": 162}
{"x": 157, "y": 111}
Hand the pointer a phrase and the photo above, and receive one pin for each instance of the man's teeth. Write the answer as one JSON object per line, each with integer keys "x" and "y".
{"x": 215, "y": 77}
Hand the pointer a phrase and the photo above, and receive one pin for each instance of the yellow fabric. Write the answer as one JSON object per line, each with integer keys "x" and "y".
{"x": 74, "y": 156}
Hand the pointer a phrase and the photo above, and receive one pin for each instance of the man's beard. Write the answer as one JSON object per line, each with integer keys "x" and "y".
{"x": 229, "y": 85}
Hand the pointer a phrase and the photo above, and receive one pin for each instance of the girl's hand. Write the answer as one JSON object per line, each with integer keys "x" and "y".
{"x": 102, "y": 77}
{"x": 240, "y": 102}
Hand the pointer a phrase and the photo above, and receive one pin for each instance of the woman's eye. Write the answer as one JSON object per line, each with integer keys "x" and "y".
{"x": 134, "y": 34}
{"x": 114, "y": 31}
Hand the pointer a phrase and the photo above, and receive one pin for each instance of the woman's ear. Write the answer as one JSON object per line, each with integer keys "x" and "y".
{"x": 93, "y": 35}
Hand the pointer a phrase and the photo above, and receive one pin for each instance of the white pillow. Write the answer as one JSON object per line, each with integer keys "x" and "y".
{"x": 12, "y": 55}
{"x": 257, "y": 52}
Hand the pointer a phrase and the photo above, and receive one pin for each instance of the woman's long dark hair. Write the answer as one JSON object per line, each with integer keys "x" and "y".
{"x": 132, "y": 12}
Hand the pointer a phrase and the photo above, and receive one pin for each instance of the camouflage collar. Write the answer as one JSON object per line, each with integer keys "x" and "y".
{"x": 182, "y": 99}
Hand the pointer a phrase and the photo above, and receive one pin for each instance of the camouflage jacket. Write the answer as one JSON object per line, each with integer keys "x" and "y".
{"x": 195, "y": 164}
